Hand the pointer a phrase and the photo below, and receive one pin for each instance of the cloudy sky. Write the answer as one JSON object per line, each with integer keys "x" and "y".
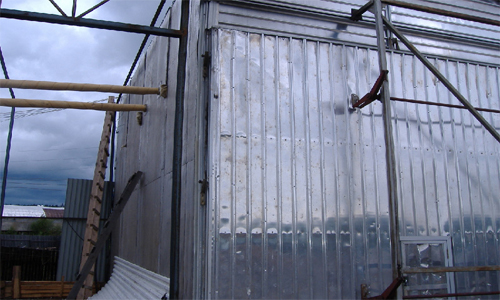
{"x": 49, "y": 147}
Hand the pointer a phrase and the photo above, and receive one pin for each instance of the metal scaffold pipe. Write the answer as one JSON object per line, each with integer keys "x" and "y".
{"x": 72, "y": 105}
{"x": 81, "y": 87}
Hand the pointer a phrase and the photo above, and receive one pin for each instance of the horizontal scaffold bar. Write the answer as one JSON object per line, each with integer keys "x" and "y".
{"x": 71, "y": 105}
{"x": 117, "y": 26}
{"x": 451, "y": 269}
{"x": 443, "y": 12}
{"x": 81, "y": 87}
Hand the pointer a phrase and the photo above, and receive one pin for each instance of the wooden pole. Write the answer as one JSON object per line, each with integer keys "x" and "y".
{"x": 62, "y": 287}
{"x": 73, "y": 105}
{"x": 81, "y": 87}
{"x": 16, "y": 282}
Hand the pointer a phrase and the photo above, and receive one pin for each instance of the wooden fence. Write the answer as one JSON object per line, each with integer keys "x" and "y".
{"x": 17, "y": 289}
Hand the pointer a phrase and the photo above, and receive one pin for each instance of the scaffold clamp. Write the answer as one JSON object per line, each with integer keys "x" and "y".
{"x": 372, "y": 95}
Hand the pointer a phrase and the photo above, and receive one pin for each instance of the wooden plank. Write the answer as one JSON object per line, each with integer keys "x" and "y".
{"x": 94, "y": 211}
{"x": 71, "y": 105}
{"x": 16, "y": 280}
{"x": 81, "y": 87}
{"x": 62, "y": 287}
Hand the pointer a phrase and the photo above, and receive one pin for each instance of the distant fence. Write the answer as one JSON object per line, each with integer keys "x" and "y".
{"x": 36, "y": 264}
{"x": 30, "y": 241}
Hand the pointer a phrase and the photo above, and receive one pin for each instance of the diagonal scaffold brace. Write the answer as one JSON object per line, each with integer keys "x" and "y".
{"x": 372, "y": 95}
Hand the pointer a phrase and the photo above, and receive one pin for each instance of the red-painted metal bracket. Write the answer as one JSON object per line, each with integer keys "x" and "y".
{"x": 373, "y": 94}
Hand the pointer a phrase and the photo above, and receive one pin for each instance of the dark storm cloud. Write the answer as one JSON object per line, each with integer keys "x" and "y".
{"x": 48, "y": 148}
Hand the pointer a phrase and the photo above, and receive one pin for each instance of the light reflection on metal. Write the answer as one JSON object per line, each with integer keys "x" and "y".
{"x": 130, "y": 281}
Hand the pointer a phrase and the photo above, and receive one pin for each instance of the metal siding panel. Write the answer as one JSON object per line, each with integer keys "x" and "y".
{"x": 327, "y": 20}
{"x": 129, "y": 281}
{"x": 448, "y": 163}
{"x": 303, "y": 187}
{"x": 73, "y": 229}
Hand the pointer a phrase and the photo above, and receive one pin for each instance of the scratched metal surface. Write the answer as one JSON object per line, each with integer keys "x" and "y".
{"x": 448, "y": 163}
{"x": 298, "y": 179}
{"x": 298, "y": 196}
{"x": 297, "y": 203}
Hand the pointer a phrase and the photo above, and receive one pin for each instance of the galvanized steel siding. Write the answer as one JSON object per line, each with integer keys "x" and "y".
{"x": 449, "y": 165}
{"x": 73, "y": 229}
{"x": 145, "y": 225}
{"x": 329, "y": 21}
{"x": 298, "y": 183}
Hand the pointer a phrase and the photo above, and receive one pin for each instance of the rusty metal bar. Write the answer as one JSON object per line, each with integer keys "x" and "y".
{"x": 357, "y": 14}
{"x": 90, "y": 23}
{"x": 175, "y": 230}
{"x": 71, "y": 104}
{"x": 443, "y": 12}
{"x": 390, "y": 291}
{"x": 442, "y": 78}
{"x": 450, "y": 269}
{"x": 93, "y": 8}
{"x": 451, "y": 295}
{"x": 81, "y": 87}
{"x": 58, "y": 8}
{"x": 73, "y": 11}
{"x": 443, "y": 104}
{"x": 372, "y": 95}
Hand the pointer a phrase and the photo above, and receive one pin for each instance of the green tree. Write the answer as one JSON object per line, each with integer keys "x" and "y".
{"x": 44, "y": 226}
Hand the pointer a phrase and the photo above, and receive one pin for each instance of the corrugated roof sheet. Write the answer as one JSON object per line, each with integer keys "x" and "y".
{"x": 130, "y": 281}
{"x": 23, "y": 211}
{"x": 57, "y": 213}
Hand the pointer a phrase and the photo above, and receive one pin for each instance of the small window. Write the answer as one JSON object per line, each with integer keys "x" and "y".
{"x": 427, "y": 252}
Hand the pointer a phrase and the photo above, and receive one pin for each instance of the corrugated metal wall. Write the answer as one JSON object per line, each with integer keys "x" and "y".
{"x": 449, "y": 165}
{"x": 73, "y": 229}
{"x": 298, "y": 180}
{"x": 145, "y": 226}
{"x": 299, "y": 190}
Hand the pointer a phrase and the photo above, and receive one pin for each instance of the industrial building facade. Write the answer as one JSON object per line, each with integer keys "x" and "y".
{"x": 285, "y": 187}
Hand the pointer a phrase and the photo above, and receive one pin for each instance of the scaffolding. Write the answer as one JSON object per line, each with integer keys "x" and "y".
{"x": 80, "y": 289}
{"x": 382, "y": 23}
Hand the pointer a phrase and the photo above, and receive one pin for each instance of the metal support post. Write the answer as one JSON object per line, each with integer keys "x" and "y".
{"x": 443, "y": 79}
{"x": 177, "y": 155}
{"x": 389, "y": 145}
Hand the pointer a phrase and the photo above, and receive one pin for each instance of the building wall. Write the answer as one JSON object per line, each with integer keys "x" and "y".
{"x": 297, "y": 186}
{"x": 143, "y": 236}
{"x": 298, "y": 190}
